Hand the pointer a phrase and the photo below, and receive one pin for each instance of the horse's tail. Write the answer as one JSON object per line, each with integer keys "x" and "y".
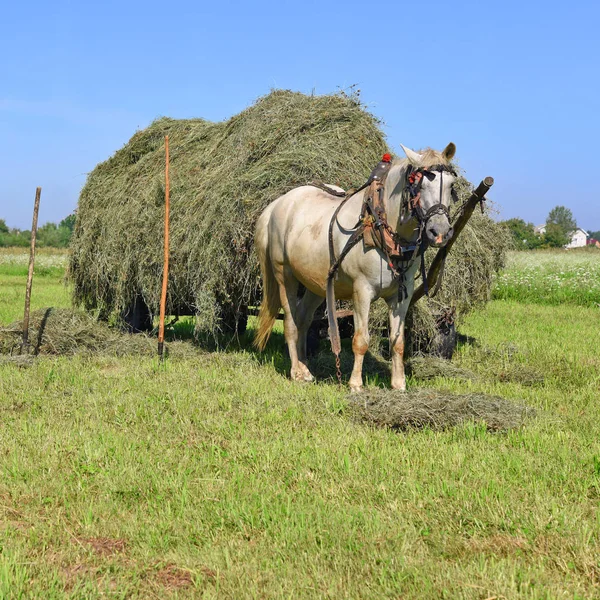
{"x": 271, "y": 302}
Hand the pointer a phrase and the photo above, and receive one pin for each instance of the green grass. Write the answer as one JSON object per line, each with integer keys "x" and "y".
{"x": 552, "y": 277}
{"x": 48, "y": 288}
{"x": 215, "y": 476}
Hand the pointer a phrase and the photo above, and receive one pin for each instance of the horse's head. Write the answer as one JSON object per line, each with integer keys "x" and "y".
{"x": 429, "y": 181}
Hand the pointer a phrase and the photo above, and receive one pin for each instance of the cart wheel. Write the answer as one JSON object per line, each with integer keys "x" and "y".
{"x": 137, "y": 318}
{"x": 233, "y": 321}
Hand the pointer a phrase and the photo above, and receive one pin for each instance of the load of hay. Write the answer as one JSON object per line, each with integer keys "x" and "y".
{"x": 222, "y": 177}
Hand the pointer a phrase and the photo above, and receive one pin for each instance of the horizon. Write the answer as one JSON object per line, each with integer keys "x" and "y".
{"x": 518, "y": 102}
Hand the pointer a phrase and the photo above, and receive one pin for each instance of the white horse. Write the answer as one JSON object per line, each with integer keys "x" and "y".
{"x": 292, "y": 243}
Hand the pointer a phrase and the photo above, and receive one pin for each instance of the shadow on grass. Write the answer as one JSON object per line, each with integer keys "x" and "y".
{"x": 376, "y": 369}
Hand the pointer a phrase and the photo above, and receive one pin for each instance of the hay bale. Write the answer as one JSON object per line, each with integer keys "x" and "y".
{"x": 419, "y": 407}
{"x": 222, "y": 176}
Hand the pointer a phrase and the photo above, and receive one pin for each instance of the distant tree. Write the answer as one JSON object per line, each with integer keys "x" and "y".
{"x": 559, "y": 226}
{"x": 595, "y": 235}
{"x": 48, "y": 235}
{"x": 555, "y": 236}
{"x": 15, "y": 237}
{"x": 563, "y": 218}
{"x": 68, "y": 222}
{"x": 523, "y": 234}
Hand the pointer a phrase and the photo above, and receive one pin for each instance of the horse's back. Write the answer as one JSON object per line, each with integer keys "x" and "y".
{"x": 295, "y": 228}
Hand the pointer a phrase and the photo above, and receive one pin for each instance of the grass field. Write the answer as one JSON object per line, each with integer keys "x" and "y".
{"x": 214, "y": 476}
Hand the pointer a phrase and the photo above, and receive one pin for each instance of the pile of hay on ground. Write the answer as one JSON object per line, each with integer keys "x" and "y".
{"x": 222, "y": 176}
{"x": 66, "y": 332}
{"x": 418, "y": 408}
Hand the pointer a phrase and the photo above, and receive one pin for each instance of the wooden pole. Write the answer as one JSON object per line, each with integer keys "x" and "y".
{"x": 36, "y": 209}
{"x": 434, "y": 270}
{"x": 163, "y": 296}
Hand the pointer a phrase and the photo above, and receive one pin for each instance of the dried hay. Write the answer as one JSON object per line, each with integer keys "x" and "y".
{"x": 418, "y": 408}
{"x": 222, "y": 177}
{"x": 66, "y": 332}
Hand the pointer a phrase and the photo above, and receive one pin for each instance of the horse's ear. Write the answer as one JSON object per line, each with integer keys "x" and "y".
{"x": 449, "y": 151}
{"x": 413, "y": 157}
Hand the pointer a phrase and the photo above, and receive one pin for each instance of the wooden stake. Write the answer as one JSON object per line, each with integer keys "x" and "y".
{"x": 36, "y": 208}
{"x": 163, "y": 296}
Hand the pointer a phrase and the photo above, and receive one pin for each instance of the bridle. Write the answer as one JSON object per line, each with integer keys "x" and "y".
{"x": 414, "y": 183}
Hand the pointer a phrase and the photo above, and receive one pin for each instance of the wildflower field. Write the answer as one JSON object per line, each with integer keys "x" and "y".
{"x": 48, "y": 261}
{"x": 551, "y": 277}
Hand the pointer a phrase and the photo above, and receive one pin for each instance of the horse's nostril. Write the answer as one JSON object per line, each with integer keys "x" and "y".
{"x": 433, "y": 232}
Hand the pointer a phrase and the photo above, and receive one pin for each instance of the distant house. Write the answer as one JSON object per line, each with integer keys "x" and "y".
{"x": 579, "y": 237}
{"x": 593, "y": 242}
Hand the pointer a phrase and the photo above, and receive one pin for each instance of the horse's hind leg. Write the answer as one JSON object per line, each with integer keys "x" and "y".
{"x": 304, "y": 316}
{"x": 288, "y": 292}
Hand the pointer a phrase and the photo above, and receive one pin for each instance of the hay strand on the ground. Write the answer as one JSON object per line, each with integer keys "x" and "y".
{"x": 419, "y": 407}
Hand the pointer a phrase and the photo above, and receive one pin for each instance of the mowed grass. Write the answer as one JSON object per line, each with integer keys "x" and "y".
{"x": 214, "y": 476}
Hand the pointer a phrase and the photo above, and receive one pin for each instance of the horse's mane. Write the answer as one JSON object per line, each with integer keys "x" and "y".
{"x": 430, "y": 157}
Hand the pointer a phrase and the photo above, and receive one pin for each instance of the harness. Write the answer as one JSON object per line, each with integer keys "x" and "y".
{"x": 374, "y": 229}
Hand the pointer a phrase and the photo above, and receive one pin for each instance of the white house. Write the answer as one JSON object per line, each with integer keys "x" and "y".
{"x": 578, "y": 237}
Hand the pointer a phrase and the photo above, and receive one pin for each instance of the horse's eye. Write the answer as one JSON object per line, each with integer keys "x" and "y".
{"x": 430, "y": 175}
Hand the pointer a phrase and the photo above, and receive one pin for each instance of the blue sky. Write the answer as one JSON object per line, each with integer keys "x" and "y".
{"x": 514, "y": 84}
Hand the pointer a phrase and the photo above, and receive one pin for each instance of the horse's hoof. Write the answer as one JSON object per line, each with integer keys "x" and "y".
{"x": 400, "y": 387}
{"x": 356, "y": 389}
{"x": 302, "y": 376}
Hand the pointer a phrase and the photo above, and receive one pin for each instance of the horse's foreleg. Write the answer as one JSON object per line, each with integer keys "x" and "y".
{"x": 361, "y": 301}
{"x": 397, "y": 315}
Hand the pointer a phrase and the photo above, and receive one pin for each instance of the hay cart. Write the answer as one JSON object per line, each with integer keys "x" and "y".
{"x": 223, "y": 175}
{"x": 138, "y": 317}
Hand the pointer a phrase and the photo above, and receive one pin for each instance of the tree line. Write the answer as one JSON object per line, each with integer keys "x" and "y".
{"x": 50, "y": 235}
{"x": 560, "y": 224}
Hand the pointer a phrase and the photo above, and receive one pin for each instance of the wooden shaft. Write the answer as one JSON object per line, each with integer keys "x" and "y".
{"x": 434, "y": 270}
{"x": 36, "y": 209}
{"x": 163, "y": 295}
